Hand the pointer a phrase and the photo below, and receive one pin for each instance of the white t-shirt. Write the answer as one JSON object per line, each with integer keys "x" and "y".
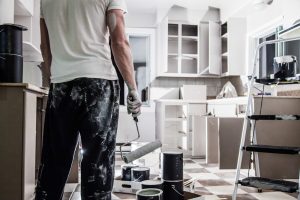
{"x": 79, "y": 38}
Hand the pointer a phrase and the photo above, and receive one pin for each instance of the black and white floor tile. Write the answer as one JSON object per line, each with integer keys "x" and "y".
{"x": 212, "y": 184}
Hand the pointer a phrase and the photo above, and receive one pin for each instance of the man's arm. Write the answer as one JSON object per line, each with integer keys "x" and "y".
{"x": 120, "y": 46}
{"x": 122, "y": 54}
{"x": 46, "y": 53}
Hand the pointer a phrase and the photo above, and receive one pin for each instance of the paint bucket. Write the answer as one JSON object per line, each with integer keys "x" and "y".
{"x": 140, "y": 174}
{"x": 172, "y": 166}
{"x": 149, "y": 194}
{"x": 11, "y": 53}
{"x": 173, "y": 190}
{"x": 126, "y": 172}
{"x": 152, "y": 184}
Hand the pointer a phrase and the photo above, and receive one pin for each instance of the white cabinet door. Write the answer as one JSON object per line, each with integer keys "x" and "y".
{"x": 162, "y": 47}
{"x": 237, "y": 31}
{"x": 214, "y": 58}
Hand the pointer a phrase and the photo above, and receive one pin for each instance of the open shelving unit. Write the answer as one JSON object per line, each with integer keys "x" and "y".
{"x": 183, "y": 49}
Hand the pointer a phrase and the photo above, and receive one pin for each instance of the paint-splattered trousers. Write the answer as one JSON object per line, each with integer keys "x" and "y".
{"x": 89, "y": 108}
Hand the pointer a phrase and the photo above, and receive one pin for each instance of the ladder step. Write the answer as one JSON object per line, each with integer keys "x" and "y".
{"x": 274, "y": 117}
{"x": 272, "y": 149}
{"x": 270, "y": 184}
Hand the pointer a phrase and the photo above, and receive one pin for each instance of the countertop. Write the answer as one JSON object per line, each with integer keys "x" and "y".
{"x": 235, "y": 100}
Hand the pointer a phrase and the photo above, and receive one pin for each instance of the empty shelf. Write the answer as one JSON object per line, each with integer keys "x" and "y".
{"x": 272, "y": 149}
{"x": 270, "y": 184}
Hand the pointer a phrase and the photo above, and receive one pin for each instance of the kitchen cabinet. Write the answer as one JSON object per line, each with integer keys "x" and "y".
{"x": 278, "y": 133}
{"x": 21, "y": 134}
{"x": 233, "y": 36}
{"x": 22, "y": 115}
{"x": 210, "y": 48}
{"x": 228, "y": 107}
{"x": 178, "y": 49}
{"x": 178, "y": 127}
{"x": 27, "y": 13}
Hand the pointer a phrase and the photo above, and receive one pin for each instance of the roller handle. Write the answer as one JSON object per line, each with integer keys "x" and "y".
{"x": 134, "y": 118}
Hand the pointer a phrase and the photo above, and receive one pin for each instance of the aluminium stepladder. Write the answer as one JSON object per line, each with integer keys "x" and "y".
{"x": 259, "y": 182}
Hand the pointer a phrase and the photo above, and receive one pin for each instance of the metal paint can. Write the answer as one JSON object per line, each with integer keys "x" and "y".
{"x": 126, "y": 172}
{"x": 173, "y": 190}
{"x": 149, "y": 194}
{"x": 140, "y": 174}
{"x": 152, "y": 184}
{"x": 172, "y": 166}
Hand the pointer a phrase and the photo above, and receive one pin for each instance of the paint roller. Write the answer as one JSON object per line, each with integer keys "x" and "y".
{"x": 140, "y": 152}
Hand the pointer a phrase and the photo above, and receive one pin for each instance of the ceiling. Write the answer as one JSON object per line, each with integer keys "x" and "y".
{"x": 160, "y": 8}
{"x": 151, "y": 6}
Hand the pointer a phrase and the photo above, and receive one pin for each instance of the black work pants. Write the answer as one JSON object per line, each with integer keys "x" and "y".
{"x": 88, "y": 107}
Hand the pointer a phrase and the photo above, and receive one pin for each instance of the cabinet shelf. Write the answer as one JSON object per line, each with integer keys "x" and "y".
{"x": 225, "y": 35}
{"x": 193, "y": 38}
{"x": 225, "y": 54}
{"x": 173, "y": 55}
{"x": 173, "y": 38}
{"x": 189, "y": 56}
{"x": 31, "y": 53}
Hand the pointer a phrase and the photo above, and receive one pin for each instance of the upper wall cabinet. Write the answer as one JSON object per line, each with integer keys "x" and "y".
{"x": 27, "y": 13}
{"x": 233, "y": 36}
{"x": 24, "y": 7}
{"x": 178, "y": 49}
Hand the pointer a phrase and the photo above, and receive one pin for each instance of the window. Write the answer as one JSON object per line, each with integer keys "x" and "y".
{"x": 267, "y": 54}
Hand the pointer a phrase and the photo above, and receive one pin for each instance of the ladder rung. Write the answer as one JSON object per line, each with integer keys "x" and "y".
{"x": 270, "y": 184}
{"x": 274, "y": 117}
{"x": 272, "y": 149}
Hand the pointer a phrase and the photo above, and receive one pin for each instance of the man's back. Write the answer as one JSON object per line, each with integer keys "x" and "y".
{"x": 79, "y": 38}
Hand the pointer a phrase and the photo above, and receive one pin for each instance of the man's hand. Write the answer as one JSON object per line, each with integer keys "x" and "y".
{"x": 133, "y": 103}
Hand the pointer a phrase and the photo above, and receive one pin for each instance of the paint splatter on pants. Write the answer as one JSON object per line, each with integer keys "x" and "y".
{"x": 89, "y": 107}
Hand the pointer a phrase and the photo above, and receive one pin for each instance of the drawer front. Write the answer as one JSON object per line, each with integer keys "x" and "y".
{"x": 196, "y": 109}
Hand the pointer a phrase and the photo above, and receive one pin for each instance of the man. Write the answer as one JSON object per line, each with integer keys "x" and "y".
{"x": 84, "y": 93}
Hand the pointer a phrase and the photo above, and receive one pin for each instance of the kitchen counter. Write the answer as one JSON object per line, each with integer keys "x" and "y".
{"x": 235, "y": 100}
{"x": 181, "y": 101}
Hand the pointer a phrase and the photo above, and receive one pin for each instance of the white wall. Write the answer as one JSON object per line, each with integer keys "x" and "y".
{"x": 287, "y": 11}
{"x": 140, "y": 20}
{"x": 260, "y": 22}
{"x": 6, "y": 11}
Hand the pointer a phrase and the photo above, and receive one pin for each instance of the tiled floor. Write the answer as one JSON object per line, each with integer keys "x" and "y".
{"x": 212, "y": 184}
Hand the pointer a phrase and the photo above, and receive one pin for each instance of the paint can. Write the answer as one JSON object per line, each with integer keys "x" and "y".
{"x": 149, "y": 194}
{"x": 140, "y": 174}
{"x": 172, "y": 166}
{"x": 126, "y": 171}
{"x": 152, "y": 184}
{"x": 173, "y": 190}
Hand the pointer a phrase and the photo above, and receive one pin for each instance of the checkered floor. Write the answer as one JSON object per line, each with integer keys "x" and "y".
{"x": 212, "y": 184}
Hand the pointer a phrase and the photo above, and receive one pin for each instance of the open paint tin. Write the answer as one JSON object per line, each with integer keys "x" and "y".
{"x": 152, "y": 184}
{"x": 126, "y": 171}
{"x": 140, "y": 174}
{"x": 149, "y": 194}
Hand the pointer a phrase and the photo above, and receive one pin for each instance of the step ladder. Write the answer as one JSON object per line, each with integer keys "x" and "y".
{"x": 259, "y": 182}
